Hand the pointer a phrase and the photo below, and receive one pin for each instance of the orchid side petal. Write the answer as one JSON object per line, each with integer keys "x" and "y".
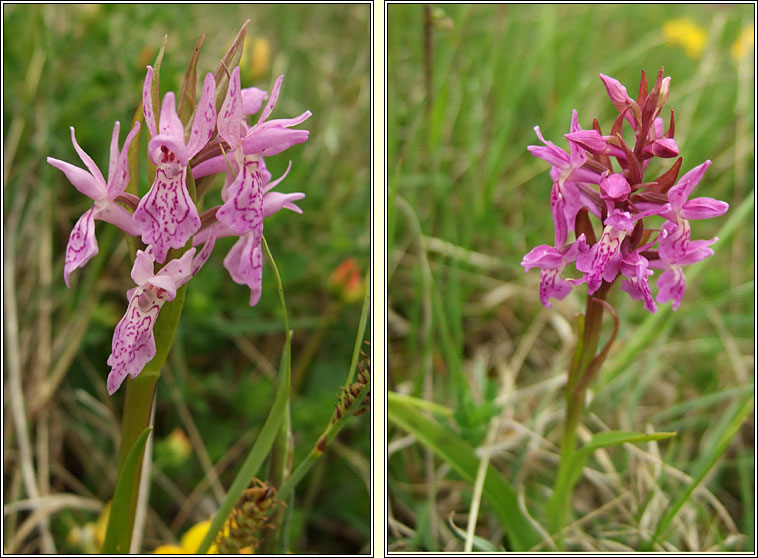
{"x": 272, "y": 100}
{"x": 81, "y": 179}
{"x": 147, "y": 102}
{"x": 230, "y": 114}
{"x": 204, "y": 121}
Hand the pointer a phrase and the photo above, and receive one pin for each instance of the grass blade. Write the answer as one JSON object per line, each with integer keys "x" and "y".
{"x": 462, "y": 457}
{"x": 117, "y": 537}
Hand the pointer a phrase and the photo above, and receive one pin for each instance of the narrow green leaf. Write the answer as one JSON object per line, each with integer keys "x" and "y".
{"x": 559, "y": 505}
{"x": 228, "y": 62}
{"x": 479, "y": 543}
{"x": 189, "y": 87}
{"x": 262, "y": 446}
{"x": 722, "y": 437}
{"x": 117, "y": 535}
{"x": 133, "y": 186}
{"x": 462, "y": 457}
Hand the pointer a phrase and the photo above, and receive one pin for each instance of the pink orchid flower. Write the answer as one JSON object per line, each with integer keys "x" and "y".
{"x": 167, "y": 214}
{"x": 82, "y": 244}
{"x": 133, "y": 340}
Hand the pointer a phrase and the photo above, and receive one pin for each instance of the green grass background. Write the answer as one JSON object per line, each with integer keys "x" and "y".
{"x": 84, "y": 66}
{"x": 467, "y": 200}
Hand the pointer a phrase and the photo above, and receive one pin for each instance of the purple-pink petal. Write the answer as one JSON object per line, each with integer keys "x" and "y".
{"x": 243, "y": 209}
{"x": 81, "y": 179}
{"x": 252, "y": 99}
{"x": 665, "y": 148}
{"x": 271, "y": 101}
{"x": 543, "y": 257}
{"x": 113, "y": 213}
{"x": 703, "y": 208}
{"x": 275, "y": 201}
{"x": 82, "y": 245}
{"x": 552, "y": 285}
{"x": 204, "y": 121}
{"x": 133, "y": 341}
{"x": 615, "y": 187}
{"x": 245, "y": 265}
{"x": 671, "y": 286}
{"x": 230, "y": 114}
{"x": 147, "y": 102}
{"x": 118, "y": 174}
{"x": 679, "y": 193}
{"x": 167, "y": 214}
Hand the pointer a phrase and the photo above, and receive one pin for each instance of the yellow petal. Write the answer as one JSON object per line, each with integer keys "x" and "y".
{"x": 169, "y": 549}
{"x": 686, "y": 33}
{"x": 191, "y": 540}
{"x": 744, "y": 43}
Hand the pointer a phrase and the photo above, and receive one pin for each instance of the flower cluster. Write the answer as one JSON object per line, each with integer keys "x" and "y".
{"x": 586, "y": 182}
{"x": 166, "y": 217}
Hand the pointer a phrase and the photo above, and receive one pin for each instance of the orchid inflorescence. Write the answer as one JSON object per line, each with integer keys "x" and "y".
{"x": 166, "y": 217}
{"x": 586, "y": 183}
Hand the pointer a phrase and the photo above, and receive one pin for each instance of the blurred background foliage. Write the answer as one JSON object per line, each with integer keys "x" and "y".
{"x": 84, "y": 66}
{"x": 467, "y": 201}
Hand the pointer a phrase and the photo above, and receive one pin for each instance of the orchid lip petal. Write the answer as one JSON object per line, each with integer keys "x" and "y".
{"x": 82, "y": 244}
{"x": 243, "y": 210}
{"x": 167, "y": 214}
{"x": 133, "y": 340}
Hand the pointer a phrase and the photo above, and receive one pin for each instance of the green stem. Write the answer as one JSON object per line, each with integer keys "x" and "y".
{"x": 588, "y": 339}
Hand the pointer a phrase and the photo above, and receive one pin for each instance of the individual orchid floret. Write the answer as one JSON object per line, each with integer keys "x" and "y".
{"x": 675, "y": 245}
{"x": 244, "y": 262}
{"x": 634, "y": 266}
{"x": 133, "y": 340}
{"x": 167, "y": 214}
{"x": 567, "y": 170}
{"x": 552, "y": 261}
{"x": 601, "y": 262}
{"x": 267, "y": 137}
{"x": 82, "y": 244}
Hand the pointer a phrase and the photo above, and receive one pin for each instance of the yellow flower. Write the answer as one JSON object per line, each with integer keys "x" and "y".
{"x": 744, "y": 43}
{"x": 685, "y": 33}
{"x": 256, "y": 55}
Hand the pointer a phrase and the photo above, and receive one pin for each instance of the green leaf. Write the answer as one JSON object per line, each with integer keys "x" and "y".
{"x": 228, "y": 62}
{"x": 721, "y": 436}
{"x": 266, "y": 438}
{"x": 403, "y": 411}
{"x": 117, "y": 537}
{"x": 189, "y": 87}
{"x": 558, "y": 507}
{"x": 479, "y": 543}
